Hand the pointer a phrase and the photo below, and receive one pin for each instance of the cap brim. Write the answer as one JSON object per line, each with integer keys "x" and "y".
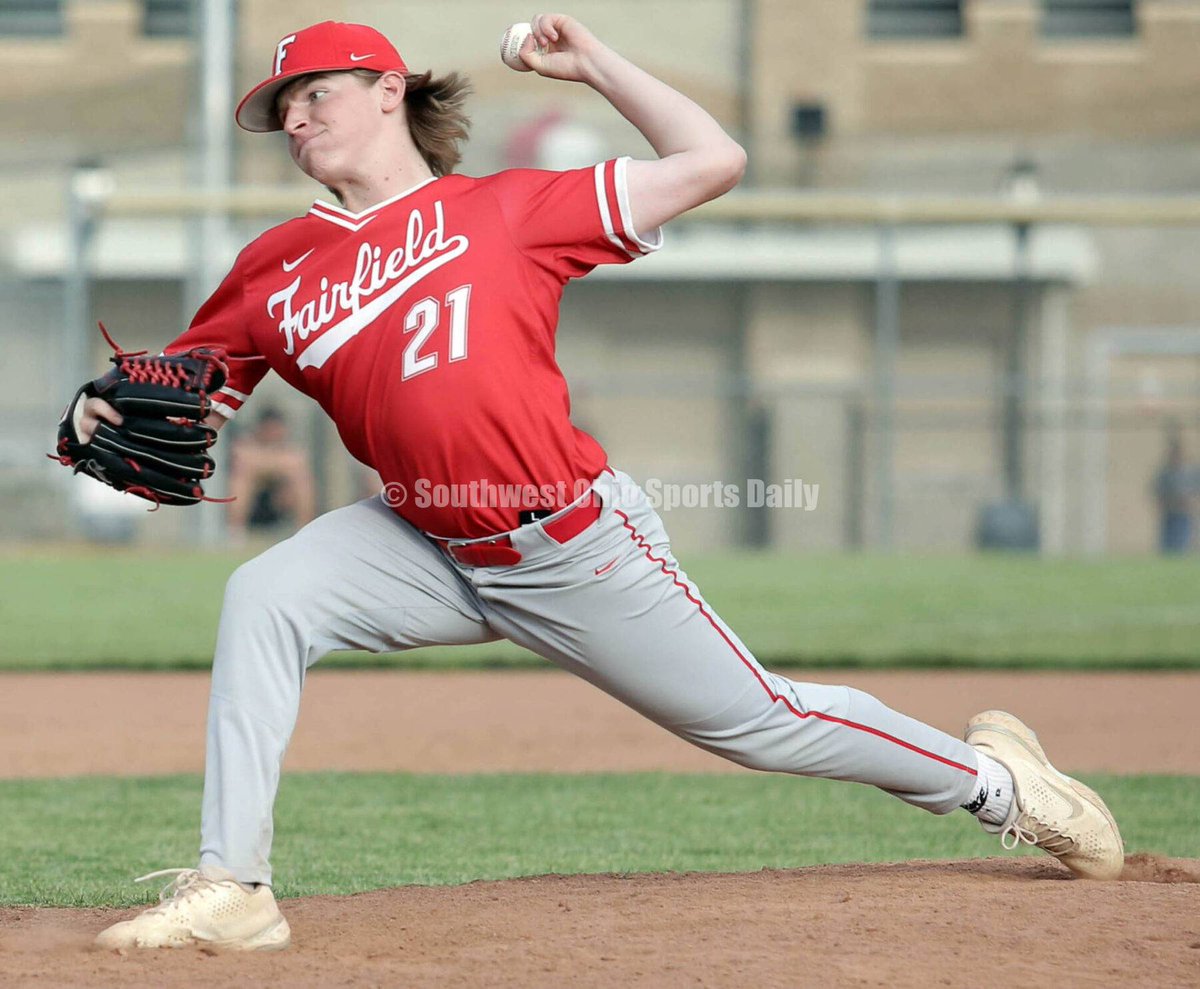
{"x": 256, "y": 113}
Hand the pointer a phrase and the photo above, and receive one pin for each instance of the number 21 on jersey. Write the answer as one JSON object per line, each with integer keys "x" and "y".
{"x": 423, "y": 319}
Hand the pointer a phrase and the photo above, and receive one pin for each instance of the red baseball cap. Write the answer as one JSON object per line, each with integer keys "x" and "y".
{"x": 330, "y": 46}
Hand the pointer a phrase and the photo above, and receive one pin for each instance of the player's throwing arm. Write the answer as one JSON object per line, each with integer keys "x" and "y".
{"x": 697, "y": 160}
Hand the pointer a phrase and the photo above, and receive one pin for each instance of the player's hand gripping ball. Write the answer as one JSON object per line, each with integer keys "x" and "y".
{"x": 517, "y": 38}
{"x": 159, "y": 452}
{"x": 552, "y": 45}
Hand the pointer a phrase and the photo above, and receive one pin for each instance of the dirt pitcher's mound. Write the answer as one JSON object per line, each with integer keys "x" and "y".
{"x": 993, "y": 922}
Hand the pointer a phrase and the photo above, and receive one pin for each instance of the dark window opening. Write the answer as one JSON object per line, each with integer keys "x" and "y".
{"x": 899, "y": 19}
{"x": 1088, "y": 19}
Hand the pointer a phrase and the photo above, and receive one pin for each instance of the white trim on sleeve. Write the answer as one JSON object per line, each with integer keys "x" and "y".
{"x": 654, "y": 240}
{"x": 605, "y": 215}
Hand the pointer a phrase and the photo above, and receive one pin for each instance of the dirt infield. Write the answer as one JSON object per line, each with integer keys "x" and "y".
{"x": 136, "y": 724}
{"x": 998, "y": 921}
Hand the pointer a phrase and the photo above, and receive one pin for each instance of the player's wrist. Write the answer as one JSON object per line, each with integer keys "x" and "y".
{"x": 600, "y": 68}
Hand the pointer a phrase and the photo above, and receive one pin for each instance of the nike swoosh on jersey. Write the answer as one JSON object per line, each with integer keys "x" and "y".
{"x": 290, "y": 265}
{"x": 359, "y": 58}
{"x": 600, "y": 571}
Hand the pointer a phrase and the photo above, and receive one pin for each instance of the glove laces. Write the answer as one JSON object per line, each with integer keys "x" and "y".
{"x": 150, "y": 371}
{"x": 121, "y": 354}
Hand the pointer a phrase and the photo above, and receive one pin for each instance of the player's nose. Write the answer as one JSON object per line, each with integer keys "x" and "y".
{"x": 292, "y": 119}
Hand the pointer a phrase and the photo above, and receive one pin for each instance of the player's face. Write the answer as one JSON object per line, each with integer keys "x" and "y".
{"x": 330, "y": 120}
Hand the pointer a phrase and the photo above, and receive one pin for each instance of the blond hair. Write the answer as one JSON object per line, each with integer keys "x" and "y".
{"x": 437, "y": 118}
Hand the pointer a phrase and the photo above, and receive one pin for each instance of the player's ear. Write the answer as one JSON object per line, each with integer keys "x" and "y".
{"x": 391, "y": 88}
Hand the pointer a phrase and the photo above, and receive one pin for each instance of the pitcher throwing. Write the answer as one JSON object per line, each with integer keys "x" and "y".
{"x": 420, "y": 311}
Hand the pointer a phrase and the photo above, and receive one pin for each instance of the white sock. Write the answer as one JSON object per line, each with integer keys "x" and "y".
{"x": 993, "y": 795}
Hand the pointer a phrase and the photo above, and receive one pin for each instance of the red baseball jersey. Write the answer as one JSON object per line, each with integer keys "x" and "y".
{"x": 425, "y": 328}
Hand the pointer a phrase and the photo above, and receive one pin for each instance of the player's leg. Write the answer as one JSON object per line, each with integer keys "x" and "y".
{"x": 355, "y": 578}
{"x": 614, "y": 607}
{"x": 358, "y": 577}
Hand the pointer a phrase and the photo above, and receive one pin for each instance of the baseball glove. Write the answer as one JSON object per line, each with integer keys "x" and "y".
{"x": 160, "y": 451}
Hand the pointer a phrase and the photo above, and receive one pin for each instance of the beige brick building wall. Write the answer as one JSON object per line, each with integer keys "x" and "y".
{"x": 1117, "y": 116}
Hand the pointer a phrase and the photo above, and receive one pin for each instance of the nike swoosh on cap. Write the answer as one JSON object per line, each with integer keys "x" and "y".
{"x": 289, "y": 265}
{"x": 359, "y": 58}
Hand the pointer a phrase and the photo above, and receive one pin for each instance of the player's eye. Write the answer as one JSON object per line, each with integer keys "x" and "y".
{"x": 316, "y": 94}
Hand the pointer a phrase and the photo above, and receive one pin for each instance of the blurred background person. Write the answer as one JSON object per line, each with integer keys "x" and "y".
{"x": 1175, "y": 488}
{"x": 270, "y": 479}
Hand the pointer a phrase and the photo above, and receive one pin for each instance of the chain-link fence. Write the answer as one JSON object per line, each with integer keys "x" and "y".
{"x": 769, "y": 393}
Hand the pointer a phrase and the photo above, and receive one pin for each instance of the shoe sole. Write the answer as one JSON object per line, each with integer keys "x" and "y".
{"x": 274, "y": 938}
{"x": 1006, "y": 724}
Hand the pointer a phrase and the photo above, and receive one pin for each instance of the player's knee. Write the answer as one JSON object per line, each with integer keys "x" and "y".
{"x": 264, "y": 636}
{"x": 248, "y": 584}
{"x": 266, "y": 588}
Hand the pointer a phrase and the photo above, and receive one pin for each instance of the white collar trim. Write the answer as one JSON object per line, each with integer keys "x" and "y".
{"x": 338, "y": 211}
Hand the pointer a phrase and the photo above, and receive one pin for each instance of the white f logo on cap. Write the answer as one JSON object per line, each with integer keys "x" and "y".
{"x": 281, "y": 53}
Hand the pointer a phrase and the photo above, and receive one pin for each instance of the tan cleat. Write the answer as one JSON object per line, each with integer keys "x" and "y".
{"x": 1050, "y": 810}
{"x": 203, "y": 906}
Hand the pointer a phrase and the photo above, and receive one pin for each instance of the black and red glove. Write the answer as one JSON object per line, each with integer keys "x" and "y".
{"x": 160, "y": 451}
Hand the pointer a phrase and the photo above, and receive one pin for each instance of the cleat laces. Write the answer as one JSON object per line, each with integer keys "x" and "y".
{"x": 185, "y": 882}
{"x": 1039, "y": 835}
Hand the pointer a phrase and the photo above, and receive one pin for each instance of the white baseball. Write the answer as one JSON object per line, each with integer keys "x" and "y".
{"x": 511, "y": 44}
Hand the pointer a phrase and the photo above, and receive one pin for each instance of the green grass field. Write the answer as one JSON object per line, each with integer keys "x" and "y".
{"x": 148, "y": 610}
{"x": 80, "y": 842}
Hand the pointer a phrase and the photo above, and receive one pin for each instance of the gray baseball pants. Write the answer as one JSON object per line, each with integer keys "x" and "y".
{"x": 611, "y": 605}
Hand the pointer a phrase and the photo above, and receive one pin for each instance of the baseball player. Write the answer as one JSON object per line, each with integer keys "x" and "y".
{"x": 420, "y": 311}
